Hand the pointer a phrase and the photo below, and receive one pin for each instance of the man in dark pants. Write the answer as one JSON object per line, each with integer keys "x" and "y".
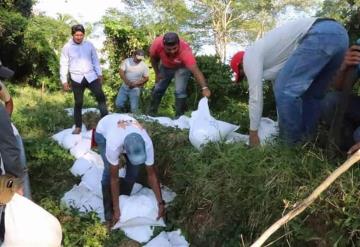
{"x": 79, "y": 58}
{"x": 119, "y": 134}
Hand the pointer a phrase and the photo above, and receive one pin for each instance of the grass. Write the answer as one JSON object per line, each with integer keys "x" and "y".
{"x": 227, "y": 195}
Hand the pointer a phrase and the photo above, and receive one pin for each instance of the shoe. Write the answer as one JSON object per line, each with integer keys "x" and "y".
{"x": 76, "y": 131}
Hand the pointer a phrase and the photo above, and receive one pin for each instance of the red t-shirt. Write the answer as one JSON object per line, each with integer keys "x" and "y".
{"x": 184, "y": 57}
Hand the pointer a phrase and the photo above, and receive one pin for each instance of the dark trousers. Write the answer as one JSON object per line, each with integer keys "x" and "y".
{"x": 78, "y": 90}
{"x": 126, "y": 184}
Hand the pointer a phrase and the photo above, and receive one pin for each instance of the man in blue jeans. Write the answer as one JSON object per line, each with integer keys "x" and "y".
{"x": 119, "y": 134}
{"x": 134, "y": 73}
{"x": 171, "y": 57}
{"x": 301, "y": 57}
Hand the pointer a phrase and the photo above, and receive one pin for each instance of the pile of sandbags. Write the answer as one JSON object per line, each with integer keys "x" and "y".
{"x": 27, "y": 224}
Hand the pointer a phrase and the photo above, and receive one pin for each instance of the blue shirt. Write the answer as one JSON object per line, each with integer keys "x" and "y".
{"x": 80, "y": 60}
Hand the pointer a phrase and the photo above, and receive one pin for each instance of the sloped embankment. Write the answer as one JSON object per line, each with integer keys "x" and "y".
{"x": 228, "y": 194}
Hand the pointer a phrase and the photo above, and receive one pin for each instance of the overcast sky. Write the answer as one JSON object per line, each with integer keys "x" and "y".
{"x": 92, "y": 11}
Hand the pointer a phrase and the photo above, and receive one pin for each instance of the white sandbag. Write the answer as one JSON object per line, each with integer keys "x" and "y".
{"x": 94, "y": 158}
{"x": 69, "y": 141}
{"x": 204, "y": 128}
{"x": 81, "y": 148}
{"x": 165, "y": 121}
{"x": 268, "y": 130}
{"x": 92, "y": 180}
{"x": 167, "y": 194}
{"x": 70, "y": 111}
{"x": 160, "y": 240}
{"x": 138, "y": 214}
{"x": 237, "y": 137}
{"x": 168, "y": 239}
{"x": 80, "y": 166}
{"x": 182, "y": 122}
{"x": 28, "y": 224}
{"x": 84, "y": 200}
{"x": 59, "y": 137}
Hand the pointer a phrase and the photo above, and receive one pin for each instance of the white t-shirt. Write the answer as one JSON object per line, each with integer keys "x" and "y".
{"x": 266, "y": 57}
{"x": 115, "y": 127}
{"x": 134, "y": 71}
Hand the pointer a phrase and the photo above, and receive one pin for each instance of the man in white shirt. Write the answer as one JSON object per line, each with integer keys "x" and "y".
{"x": 134, "y": 73}
{"x": 119, "y": 134}
{"x": 79, "y": 58}
{"x": 301, "y": 57}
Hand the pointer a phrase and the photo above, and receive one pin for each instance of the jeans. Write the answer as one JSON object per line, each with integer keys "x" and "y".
{"x": 302, "y": 82}
{"x": 26, "y": 185}
{"x": 181, "y": 75}
{"x": 133, "y": 94}
{"x": 125, "y": 185}
{"x": 350, "y": 130}
{"x": 78, "y": 90}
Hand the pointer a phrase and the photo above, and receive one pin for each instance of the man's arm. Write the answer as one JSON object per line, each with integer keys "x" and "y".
{"x": 200, "y": 79}
{"x": 123, "y": 77}
{"x": 155, "y": 186}
{"x": 9, "y": 106}
{"x": 64, "y": 68}
{"x": 9, "y": 150}
{"x": 352, "y": 58}
{"x": 254, "y": 76}
{"x": 95, "y": 61}
{"x": 115, "y": 192}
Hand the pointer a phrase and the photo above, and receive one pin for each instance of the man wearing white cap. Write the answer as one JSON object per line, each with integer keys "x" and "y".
{"x": 118, "y": 134}
{"x": 134, "y": 73}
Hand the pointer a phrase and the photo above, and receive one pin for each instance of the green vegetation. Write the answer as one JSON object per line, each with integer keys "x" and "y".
{"x": 226, "y": 195}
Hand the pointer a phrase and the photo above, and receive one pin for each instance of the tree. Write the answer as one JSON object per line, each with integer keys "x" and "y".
{"x": 23, "y": 7}
{"x": 346, "y": 12}
{"x": 239, "y": 21}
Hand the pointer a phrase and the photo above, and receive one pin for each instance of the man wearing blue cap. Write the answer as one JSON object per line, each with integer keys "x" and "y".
{"x": 118, "y": 134}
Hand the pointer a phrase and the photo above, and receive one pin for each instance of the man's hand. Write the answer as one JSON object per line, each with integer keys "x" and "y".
{"x": 101, "y": 79}
{"x": 161, "y": 211}
{"x": 115, "y": 217}
{"x": 352, "y": 57}
{"x": 206, "y": 92}
{"x": 254, "y": 138}
{"x": 354, "y": 148}
{"x": 66, "y": 86}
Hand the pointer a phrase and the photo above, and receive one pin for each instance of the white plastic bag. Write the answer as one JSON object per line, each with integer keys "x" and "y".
{"x": 81, "y": 148}
{"x": 92, "y": 180}
{"x": 168, "y": 239}
{"x": 182, "y": 122}
{"x": 80, "y": 166}
{"x": 27, "y": 224}
{"x": 204, "y": 128}
{"x": 268, "y": 130}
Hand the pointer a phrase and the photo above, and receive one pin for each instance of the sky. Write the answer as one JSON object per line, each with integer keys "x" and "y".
{"x": 93, "y": 10}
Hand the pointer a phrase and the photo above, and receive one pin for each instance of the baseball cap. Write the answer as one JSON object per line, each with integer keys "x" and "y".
{"x": 5, "y": 72}
{"x": 235, "y": 61}
{"x": 134, "y": 146}
{"x": 140, "y": 54}
{"x": 171, "y": 39}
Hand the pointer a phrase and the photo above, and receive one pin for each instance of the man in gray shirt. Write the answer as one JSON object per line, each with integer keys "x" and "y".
{"x": 79, "y": 58}
{"x": 134, "y": 73}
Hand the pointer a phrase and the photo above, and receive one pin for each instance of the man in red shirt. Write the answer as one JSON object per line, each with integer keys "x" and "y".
{"x": 171, "y": 57}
